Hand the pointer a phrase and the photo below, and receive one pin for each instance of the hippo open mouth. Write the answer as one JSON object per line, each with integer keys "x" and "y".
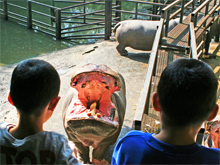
{"x": 93, "y": 112}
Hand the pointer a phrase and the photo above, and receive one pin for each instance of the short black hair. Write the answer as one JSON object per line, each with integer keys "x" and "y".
{"x": 187, "y": 92}
{"x": 34, "y": 83}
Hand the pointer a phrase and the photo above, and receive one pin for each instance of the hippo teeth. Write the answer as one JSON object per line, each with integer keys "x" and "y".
{"x": 112, "y": 114}
{"x": 92, "y": 111}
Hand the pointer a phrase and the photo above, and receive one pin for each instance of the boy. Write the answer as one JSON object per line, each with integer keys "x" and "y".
{"x": 34, "y": 89}
{"x": 185, "y": 98}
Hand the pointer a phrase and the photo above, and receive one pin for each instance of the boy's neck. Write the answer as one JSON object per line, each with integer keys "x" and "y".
{"x": 178, "y": 136}
{"x": 27, "y": 125}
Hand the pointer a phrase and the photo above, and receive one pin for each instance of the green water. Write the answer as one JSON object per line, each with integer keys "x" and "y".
{"x": 18, "y": 43}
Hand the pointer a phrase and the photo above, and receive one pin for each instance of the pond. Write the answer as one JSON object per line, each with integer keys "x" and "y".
{"x": 18, "y": 43}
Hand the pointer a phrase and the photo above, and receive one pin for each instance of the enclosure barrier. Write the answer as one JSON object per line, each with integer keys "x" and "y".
{"x": 100, "y": 21}
{"x": 203, "y": 37}
{"x": 166, "y": 13}
{"x": 145, "y": 95}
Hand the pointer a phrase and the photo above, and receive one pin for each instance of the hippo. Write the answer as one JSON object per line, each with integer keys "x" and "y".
{"x": 137, "y": 34}
{"x": 212, "y": 134}
{"x": 93, "y": 110}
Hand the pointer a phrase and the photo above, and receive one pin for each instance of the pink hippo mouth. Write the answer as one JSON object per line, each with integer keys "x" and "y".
{"x": 93, "y": 112}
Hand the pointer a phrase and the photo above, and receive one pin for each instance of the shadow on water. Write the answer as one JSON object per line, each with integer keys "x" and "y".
{"x": 18, "y": 43}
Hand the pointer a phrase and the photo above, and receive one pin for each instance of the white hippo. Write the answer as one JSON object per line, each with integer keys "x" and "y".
{"x": 137, "y": 34}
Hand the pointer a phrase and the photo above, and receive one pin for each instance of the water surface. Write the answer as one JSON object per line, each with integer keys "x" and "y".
{"x": 18, "y": 43}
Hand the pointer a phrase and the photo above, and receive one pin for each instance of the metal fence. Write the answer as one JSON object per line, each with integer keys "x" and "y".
{"x": 85, "y": 19}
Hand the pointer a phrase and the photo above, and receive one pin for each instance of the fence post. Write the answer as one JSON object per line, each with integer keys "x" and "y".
{"x": 5, "y": 10}
{"x": 84, "y": 11}
{"x": 182, "y": 11}
{"x": 118, "y": 14}
{"x": 58, "y": 24}
{"x": 108, "y": 18}
{"x": 29, "y": 15}
{"x": 167, "y": 23}
{"x": 217, "y": 30}
{"x": 136, "y": 10}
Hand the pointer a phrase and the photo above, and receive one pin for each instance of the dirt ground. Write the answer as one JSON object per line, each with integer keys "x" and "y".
{"x": 133, "y": 68}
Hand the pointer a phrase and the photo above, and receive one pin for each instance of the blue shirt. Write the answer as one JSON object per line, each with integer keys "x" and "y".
{"x": 138, "y": 147}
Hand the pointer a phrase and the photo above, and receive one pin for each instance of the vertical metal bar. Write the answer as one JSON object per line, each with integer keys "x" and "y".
{"x": 5, "y": 10}
{"x": 167, "y": 23}
{"x": 154, "y": 10}
{"x": 118, "y": 14}
{"x": 217, "y": 30}
{"x": 206, "y": 12}
{"x": 182, "y": 11}
{"x": 136, "y": 9}
{"x": 84, "y": 11}
{"x": 108, "y": 18}
{"x": 29, "y": 15}
{"x": 161, "y": 1}
{"x": 214, "y": 2}
{"x": 58, "y": 24}
{"x": 52, "y": 13}
{"x": 193, "y": 5}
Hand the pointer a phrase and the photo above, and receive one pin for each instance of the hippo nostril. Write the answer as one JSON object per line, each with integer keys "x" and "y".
{"x": 112, "y": 114}
{"x": 74, "y": 83}
{"x": 107, "y": 87}
{"x": 116, "y": 84}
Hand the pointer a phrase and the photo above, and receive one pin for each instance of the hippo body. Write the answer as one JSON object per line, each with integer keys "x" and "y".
{"x": 94, "y": 109}
{"x": 137, "y": 34}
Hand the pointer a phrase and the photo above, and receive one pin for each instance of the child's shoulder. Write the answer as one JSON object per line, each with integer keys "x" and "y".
{"x": 137, "y": 133}
{"x": 134, "y": 135}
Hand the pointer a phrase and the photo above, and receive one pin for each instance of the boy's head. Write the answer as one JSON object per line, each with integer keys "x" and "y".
{"x": 187, "y": 92}
{"x": 34, "y": 83}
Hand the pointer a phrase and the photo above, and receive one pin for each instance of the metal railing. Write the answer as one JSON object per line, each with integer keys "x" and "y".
{"x": 69, "y": 22}
{"x": 166, "y": 12}
{"x": 194, "y": 36}
{"x": 145, "y": 95}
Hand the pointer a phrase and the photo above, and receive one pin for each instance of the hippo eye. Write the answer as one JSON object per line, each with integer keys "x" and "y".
{"x": 116, "y": 84}
{"x": 104, "y": 83}
{"x": 83, "y": 86}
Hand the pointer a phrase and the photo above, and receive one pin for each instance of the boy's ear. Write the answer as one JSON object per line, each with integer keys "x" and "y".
{"x": 156, "y": 103}
{"x": 54, "y": 103}
{"x": 9, "y": 99}
{"x": 213, "y": 114}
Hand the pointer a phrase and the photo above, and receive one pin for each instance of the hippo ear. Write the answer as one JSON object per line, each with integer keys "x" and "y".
{"x": 9, "y": 99}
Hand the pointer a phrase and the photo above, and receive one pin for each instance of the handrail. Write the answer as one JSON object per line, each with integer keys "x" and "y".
{"x": 195, "y": 12}
{"x": 201, "y": 7}
{"x": 145, "y": 2}
{"x": 144, "y": 100}
{"x": 81, "y": 4}
{"x": 166, "y": 13}
{"x": 179, "y": 10}
{"x": 170, "y": 6}
{"x": 42, "y": 4}
{"x": 206, "y": 17}
{"x": 193, "y": 53}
